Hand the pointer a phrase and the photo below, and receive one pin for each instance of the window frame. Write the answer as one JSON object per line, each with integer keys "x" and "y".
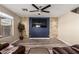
{"x": 11, "y": 26}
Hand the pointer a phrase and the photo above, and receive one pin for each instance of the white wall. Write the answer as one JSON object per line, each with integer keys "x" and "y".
{"x": 68, "y": 28}
{"x": 16, "y": 20}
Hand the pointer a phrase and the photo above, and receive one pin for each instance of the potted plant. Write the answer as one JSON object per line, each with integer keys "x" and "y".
{"x": 21, "y": 28}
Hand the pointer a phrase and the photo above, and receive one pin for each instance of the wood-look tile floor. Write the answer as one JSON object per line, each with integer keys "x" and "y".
{"x": 47, "y": 43}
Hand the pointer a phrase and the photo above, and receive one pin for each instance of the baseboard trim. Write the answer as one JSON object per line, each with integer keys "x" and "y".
{"x": 65, "y": 42}
{"x": 14, "y": 41}
{"x": 39, "y": 38}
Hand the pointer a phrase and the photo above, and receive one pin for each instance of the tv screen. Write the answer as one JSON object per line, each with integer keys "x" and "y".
{"x": 39, "y": 22}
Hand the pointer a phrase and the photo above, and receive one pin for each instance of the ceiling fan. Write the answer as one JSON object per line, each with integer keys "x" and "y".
{"x": 39, "y": 9}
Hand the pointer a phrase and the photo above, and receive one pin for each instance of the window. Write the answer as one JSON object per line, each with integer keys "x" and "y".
{"x": 0, "y": 28}
{"x": 5, "y": 27}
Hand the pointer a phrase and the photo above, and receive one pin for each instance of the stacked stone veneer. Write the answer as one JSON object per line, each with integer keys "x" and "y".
{"x": 53, "y": 27}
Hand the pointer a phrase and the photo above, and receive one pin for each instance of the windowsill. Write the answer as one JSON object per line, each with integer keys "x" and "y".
{"x": 5, "y": 37}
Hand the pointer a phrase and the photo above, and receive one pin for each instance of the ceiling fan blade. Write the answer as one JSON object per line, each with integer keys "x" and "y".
{"x": 34, "y": 11}
{"x": 46, "y": 11}
{"x": 46, "y": 7}
{"x": 35, "y": 6}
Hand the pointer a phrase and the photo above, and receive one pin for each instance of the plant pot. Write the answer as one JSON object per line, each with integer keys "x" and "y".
{"x": 21, "y": 37}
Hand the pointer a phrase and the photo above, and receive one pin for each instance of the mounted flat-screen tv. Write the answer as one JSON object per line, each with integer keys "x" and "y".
{"x": 39, "y": 22}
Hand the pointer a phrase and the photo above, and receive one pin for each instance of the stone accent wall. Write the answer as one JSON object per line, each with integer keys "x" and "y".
{"x": 53, "y": 27}
{"x": 25, "y": 21}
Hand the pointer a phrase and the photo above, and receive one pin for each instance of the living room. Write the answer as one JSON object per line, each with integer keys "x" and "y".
{"x": 45, "y": 25}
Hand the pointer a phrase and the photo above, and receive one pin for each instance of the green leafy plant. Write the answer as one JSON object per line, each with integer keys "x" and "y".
{"x": 21, "y": 28}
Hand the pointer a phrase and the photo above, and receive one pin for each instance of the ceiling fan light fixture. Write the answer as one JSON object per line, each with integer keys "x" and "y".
{"x": 39, "y": 14}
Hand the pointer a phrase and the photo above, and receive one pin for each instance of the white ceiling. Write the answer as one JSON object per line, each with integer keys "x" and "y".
{"x": 56, "y": 10}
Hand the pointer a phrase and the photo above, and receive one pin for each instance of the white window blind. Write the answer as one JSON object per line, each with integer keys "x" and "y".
{"x": 5, "y": 25}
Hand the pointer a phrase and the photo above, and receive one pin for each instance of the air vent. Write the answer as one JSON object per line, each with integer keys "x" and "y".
{"x": 25, "y": 9}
